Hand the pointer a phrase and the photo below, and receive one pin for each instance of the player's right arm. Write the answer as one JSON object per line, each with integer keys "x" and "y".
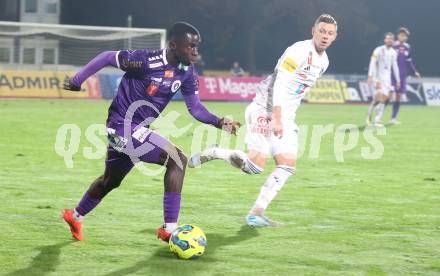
{"x": 130, "y": 61}
{"x": 372, "y": 68}
{"x": 100, "y": 61}
{"x": 291, "y": 62}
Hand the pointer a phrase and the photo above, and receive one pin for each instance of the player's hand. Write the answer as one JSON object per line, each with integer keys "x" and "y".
{"x": 417, "y": 75}
{"x": 277, "y": 129}
{"x": 69, "y": 85}
{"x": 230, "y": 126}
{"x": 397, "y": 85}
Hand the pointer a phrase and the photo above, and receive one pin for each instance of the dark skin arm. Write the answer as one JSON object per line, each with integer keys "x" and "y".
{"x": 228, "y": 125}
{"x": 68, "y": 85}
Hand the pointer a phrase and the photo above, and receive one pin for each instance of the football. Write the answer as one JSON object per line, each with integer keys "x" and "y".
{"x": 188, "y": 242}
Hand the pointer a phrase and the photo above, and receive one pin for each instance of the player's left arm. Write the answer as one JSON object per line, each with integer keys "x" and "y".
{"x": 200, "y": 112}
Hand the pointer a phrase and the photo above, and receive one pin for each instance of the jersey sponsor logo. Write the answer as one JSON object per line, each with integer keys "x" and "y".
{"x": 299, "y": 90}
{"x": 261, "y": 126}
{"x": 263, "y": 121}
{"x": 155, "y": 65}
{"x": 130, "y": 64}
{"x": 289, "y": 64}
{"x": 152, "y": 89}
{"x": 175, "y": 86}
{"x": 168, "y": 74}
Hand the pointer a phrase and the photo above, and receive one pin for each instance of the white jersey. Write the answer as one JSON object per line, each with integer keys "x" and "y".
{"x": 296, "y": 72}
{"x": 383, "y": 59}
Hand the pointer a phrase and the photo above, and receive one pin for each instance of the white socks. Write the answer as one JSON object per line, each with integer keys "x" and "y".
{"x": 371, "y": 108}
{"x": 272, "y": 186}
{"x": 238, "y": 159}
{"x": 170, "y": 227}
{"x": 379, "y": 112}
{"x": 76, "y": 216}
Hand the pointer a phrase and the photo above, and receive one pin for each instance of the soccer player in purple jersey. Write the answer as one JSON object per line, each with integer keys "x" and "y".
{"x": 406, "y": 67}
{"x": 152, "y": 78}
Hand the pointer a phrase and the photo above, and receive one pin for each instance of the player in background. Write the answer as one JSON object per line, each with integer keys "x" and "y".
{"x": 152, "y": 78}
{"x": 406, "y": 67}
{"x": 379, "y": 74}
{"x": 270, "y": 118}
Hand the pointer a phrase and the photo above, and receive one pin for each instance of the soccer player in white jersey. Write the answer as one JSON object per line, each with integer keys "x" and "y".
{"x": 270, "y": 118}
{"x": 382, "y": 63}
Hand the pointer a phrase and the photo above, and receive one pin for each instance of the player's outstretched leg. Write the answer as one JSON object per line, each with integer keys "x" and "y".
{"x": 117, "y": 167}
{"x": 273, "y": 184}
{"x": 236, "y": 158}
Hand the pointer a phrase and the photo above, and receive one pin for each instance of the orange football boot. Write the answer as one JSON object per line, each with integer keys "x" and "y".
{"x": 163, "y": 234}
{"x": 75, "y": 226}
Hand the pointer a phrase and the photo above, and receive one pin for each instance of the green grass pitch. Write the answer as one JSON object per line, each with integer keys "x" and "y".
{"x": 358, "y": 217}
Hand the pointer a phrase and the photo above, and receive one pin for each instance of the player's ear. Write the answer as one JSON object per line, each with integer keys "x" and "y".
{"x": 172, "y": 45}
{"x": 313, "y": 30}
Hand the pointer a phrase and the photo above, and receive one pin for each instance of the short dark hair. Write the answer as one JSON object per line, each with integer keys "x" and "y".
{"x": 403, "y": 30}
{"x": 326, "y": 18}
{"x": 389, "y": 34}
{"x": 178, "y": 30}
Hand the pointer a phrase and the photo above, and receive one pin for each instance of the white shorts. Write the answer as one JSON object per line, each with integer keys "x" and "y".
{"x": 385, "y": 87}
{"x": 259, "y": 136}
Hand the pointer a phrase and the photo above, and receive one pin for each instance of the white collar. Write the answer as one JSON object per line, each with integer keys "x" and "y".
{"x": 164, "y": 56}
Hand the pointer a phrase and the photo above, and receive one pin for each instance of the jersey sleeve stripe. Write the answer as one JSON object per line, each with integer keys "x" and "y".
{"x": 117, "y": 59}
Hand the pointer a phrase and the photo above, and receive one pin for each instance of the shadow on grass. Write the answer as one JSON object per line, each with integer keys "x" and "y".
{"x": 45, "y": 262}
{"x": 163, "y": 262}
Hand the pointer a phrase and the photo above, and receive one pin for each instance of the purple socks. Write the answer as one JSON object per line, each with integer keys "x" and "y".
{"x": 396, "y": 107}
{"x": 171, "y": 207}
{"x": 86, "y": 204}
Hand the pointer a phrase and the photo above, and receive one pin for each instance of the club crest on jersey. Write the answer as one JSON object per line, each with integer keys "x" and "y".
{"x": 152, "y": 88}
{"x": 175, "y": 86}
{"x": 169, "y": 74}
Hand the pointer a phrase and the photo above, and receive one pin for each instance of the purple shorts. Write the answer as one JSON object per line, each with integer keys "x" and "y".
{"x": 131, "y": 144}
{"x": 402, "y": 88}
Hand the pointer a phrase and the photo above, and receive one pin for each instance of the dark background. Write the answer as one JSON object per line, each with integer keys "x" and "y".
{"x": 256, "y": 32}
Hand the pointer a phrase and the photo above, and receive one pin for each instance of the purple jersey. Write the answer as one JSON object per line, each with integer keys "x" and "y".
{"x": 404, "y": 60}
{"x": 150, "y": 78}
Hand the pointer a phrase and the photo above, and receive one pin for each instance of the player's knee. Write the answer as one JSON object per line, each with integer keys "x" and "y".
{"x": 183, "y": 159}
{"x": 178, "y": 160}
